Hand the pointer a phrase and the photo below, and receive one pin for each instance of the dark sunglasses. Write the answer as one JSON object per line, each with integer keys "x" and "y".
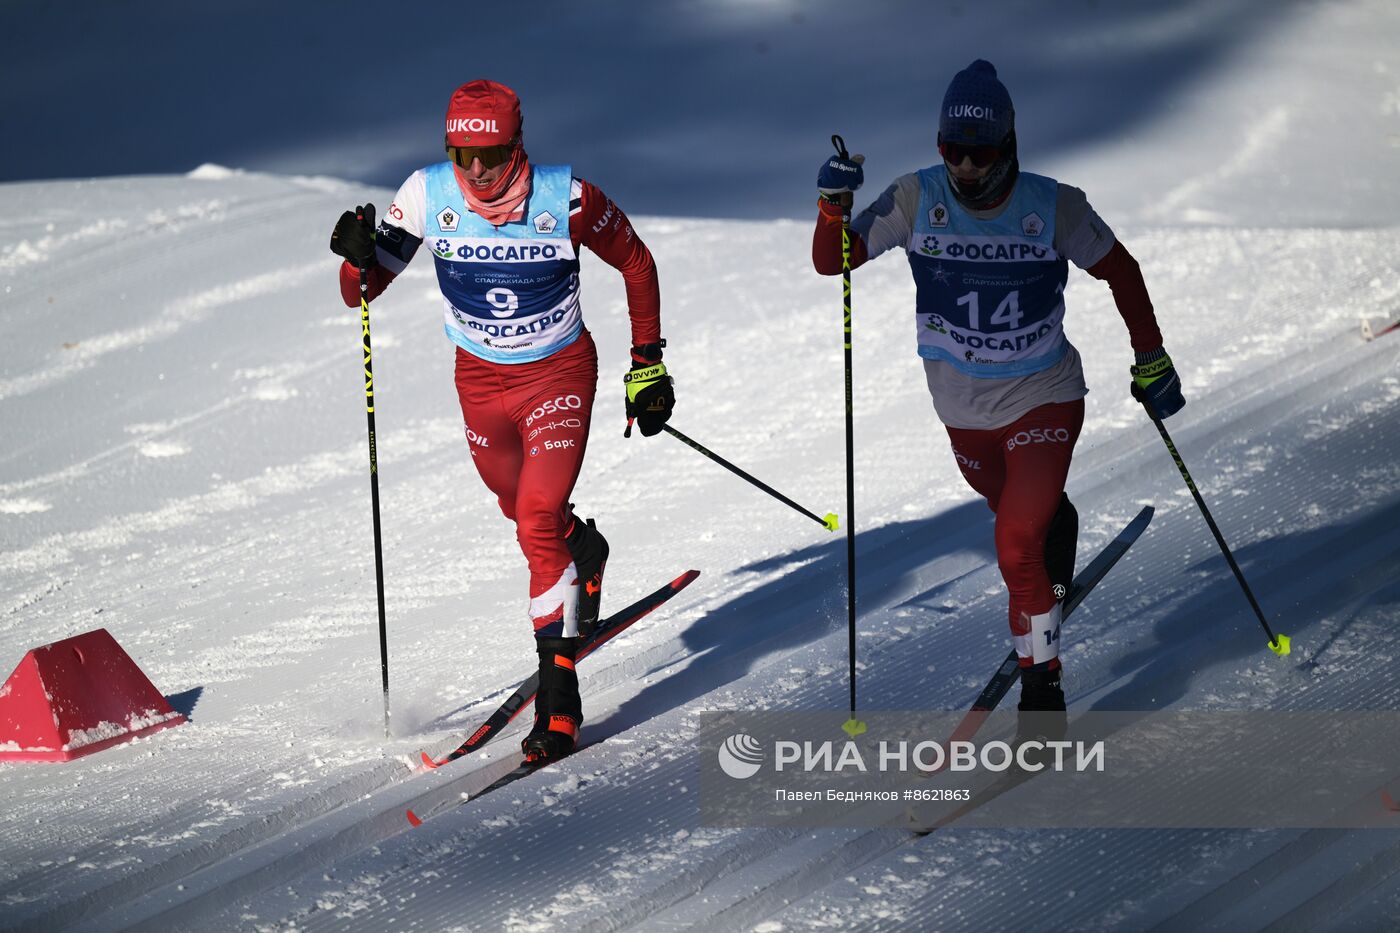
{"x": 981, "y": 156}
{"x": 490, "y": 156}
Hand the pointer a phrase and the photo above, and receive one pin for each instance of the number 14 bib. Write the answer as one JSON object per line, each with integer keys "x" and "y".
{"x": 990, "y": 292}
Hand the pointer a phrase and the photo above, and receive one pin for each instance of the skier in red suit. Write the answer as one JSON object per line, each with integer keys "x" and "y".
{"x": 989, "y": 248}
{"x": 505, "y": 236}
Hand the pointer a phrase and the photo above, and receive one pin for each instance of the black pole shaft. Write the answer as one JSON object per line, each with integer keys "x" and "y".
{"x": 374, "y": 492}
{"x": 695, "y": 445}
{"x": 1210, "y": 521}
{"x": 850, "y": 433}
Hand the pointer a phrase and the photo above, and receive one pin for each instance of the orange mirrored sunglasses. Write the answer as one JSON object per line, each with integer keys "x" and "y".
{"x": 490, "y": 156}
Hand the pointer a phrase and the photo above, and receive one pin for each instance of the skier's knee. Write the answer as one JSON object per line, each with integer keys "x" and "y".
{"x": 1018, "y": 552}
{"x": 538, "y": 520}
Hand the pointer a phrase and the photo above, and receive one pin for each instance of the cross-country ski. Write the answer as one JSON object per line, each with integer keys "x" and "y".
{"x": 605, "y": 631}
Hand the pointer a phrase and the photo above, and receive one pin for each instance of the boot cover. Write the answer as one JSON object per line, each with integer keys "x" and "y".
{"x": 1060, "y": 542}
{"x": 589, "y": 549}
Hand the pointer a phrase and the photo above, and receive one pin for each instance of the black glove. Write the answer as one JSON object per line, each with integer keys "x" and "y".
{"x": 1156, "y": 384}
{"x": 353, "y": 237}
{"x": 650, "y": 392}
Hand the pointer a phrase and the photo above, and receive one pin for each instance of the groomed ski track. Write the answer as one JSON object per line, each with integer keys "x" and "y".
{"x": 727, "y": 879}
{"x": 278, "y": 807}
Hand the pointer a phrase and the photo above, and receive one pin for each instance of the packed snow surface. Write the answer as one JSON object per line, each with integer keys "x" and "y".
{"x": 187, "y": 467}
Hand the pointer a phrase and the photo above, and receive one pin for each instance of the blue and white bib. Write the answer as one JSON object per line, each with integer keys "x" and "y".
{"x": 990, "y": 292}
{"x": 510, "y": 293}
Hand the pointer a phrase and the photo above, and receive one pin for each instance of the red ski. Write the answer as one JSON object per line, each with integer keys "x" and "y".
{"x": 607, "y": 629}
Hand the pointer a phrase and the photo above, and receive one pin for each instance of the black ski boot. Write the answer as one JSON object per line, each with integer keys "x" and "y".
{"x": 1041, "y": 717}
{"x": 1040, "y": 692}
{"x": 1060, "y": 542}
{"x": 558, "y": 708}
{"x": 589, "y": 549}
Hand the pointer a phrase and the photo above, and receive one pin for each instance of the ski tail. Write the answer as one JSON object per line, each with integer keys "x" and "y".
{"x": 522, "y": 770}
{"x": 524, "y": 695}
{"x": 1368, "y": 333}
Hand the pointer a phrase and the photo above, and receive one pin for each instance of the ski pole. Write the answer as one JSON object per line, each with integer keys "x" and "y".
{"x": 1278, "y": 644}
{"x": 853, "y": 727}
{"x": 829, "y": 522}
{"x": 374, "y": 491}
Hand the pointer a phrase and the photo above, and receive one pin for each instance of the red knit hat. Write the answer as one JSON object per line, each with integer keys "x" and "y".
{"x": 483, "y": 113}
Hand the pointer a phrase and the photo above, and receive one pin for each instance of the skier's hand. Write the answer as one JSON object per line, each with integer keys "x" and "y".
{"x": 650, "y": 396}
{"x": 839, "y": 177}
{"x": 1156, "y": 384}
{"x": 353, "y": 237}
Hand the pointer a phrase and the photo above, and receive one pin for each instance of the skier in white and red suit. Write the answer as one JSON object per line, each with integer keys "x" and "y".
{"x": 505, "y": 238}
{"x": 989, "y": 247}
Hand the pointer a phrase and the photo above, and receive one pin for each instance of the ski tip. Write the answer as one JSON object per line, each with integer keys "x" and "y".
{"x": 413, "y": 819}
{"x": 428, "y": 762}
{"x": 1281, "y": 645}
{"x": 684, "y": 579}
{"x": 832, "y": 521}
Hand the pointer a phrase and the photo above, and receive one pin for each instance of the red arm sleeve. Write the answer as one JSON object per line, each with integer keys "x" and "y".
{"x": 600, "y": 225}
{"x": 1120, "y": 270}
{"x": 379, "y": 279}
{"x": 826, "y": 241}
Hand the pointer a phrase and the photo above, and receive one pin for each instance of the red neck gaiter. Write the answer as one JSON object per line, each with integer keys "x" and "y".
{"x": 504, "y": 201}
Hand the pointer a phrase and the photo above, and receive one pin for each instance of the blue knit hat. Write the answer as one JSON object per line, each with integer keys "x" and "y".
{"x": 976, "y": 110}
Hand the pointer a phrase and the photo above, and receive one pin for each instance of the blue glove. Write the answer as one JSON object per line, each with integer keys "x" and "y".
{"x": 1156, "y": 384}
{"x": 839, "y": 177}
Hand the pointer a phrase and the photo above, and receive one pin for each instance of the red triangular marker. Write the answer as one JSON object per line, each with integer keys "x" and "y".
{"x": 75, "y": 697}
{"x": 413, "y": 818}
